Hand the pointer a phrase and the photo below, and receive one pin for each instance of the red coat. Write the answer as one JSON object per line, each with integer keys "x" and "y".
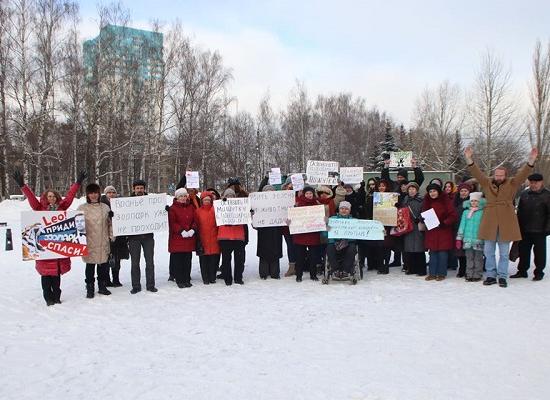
{"x": 60, "y": 265}
{"x": 181, "y": 217}
{"x": 442, "y": 237}
{"x": 208, "y": 230}
{"x": 231, "y": 232}
{"x": 311, "y": 238}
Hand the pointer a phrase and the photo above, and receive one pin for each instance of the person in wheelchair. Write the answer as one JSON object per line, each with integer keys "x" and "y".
{"x": 341, "y": 252}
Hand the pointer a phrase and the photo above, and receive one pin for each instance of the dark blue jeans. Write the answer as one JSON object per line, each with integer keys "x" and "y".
{"x": 438, "y": 263}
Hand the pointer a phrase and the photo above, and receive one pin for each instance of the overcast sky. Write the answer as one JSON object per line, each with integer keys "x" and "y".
{"x": 385, "y": 51}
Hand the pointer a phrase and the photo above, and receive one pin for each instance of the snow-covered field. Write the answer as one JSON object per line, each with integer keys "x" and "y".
{"x": 389, "y": 337}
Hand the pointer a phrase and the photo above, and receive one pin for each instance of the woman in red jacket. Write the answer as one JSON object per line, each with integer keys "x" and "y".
{"x": 181, "y": 237}
{"x": 441, "y": 239}
{"x": 50, "y": 270}
{"x": 209, "y": 257}
{"x": 307, "y": 245}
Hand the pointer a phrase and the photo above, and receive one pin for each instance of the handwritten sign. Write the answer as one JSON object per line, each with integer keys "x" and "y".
{"x": 232, "y": 211}
{"x": 355, "y": 229}
{"x": 275, "y": 176}
{"x": 138, "y": 215}
{"x": 322, "y": 172}
{"x": 307, "y": 219}
{"x": 47, "y": 235}
{"x": 297, "y": 182}
{"x": 271, "y": 208}
{"x": 192, "y": 179}
{"x": 430, "y": 219}
{"x": 351, "y": 175}
{"x": 384, "y": 209}
{"x": 401, "y": 159}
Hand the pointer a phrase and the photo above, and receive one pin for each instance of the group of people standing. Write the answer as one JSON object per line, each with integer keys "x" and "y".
{"x": 472, "y": 224}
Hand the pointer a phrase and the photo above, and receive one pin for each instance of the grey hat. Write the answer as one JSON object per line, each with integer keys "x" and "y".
{"x": 109, "y": 189}
{"x": 345, "y": 204}
{"x": 229, "y": 193}
{"x": 268, "y": 188}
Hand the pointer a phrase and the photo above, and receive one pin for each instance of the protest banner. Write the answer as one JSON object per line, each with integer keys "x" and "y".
{"x": 192, "y": 180}
{"x": 275, "y": 176}
{"x": 322, "y": 172}
{"x": 384, "y": 209}
{"x": 297, "y": 182}
{"x": 351, "y": 175}
{"x": 48, "y": 235}
{"x": 401, "y": 159}
{"x": 307, "y": 219}
{"x": 139, "y": 214}
{"x": 232, "y": 211}
{"x": 355, "y": 229}
{"x": 271, "y": 208}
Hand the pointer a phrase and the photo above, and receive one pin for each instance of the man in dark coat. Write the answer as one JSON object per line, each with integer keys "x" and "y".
{"x": 534, "y": 223}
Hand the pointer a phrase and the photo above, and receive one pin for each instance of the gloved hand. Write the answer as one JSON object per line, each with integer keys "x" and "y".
{"x": 18, "y": 178}
{"x": 167, "y": 208}
{"x": 363, "y": 184}
{"x": 111, "y": 214}
{"x": 458, "y": 244}
{"x": 190, "y": 232}
{"x": 81, "y": 176}
{"x": 184, "y": 234}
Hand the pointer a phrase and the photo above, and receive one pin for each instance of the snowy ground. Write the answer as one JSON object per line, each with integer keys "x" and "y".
{"x": 389, "y": 337}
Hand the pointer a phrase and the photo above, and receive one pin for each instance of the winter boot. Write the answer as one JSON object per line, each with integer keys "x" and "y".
{"x": 291, "y": 270}
{"x": 90, "y": 291}
{"x": 502, "y": 282}
{"x": 103, "y": 289}
{"x": 489, "y": 281}
{"x": 116, "y": 279}
{"x": 519, "y": 275}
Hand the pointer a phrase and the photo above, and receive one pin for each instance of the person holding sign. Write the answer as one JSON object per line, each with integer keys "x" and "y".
{"x": 342, "y": 249}
{"x": 209, "y": 248}
{"x": 98, "y": 238}
{"x": 181, "y": 237}
{"x": 270, "y": 247}
{"x": 50, "y": 270}
{"x": 440, "y": 239}
{"x": 233, "y": 240}
{"x": 307, "y": 245}
{"x": 135, "y": 244}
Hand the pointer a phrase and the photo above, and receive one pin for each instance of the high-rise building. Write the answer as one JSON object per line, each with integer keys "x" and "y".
{"x": 125, "y": 52}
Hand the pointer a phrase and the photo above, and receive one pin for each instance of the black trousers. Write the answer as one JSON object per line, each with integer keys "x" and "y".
{"x": 343, "y": 260}
{"x": 307, "y": 257}
{"x": 461, "y": 265}
{"x": 209, "y": 266}
{"x": 134, "y": 245}
{"x": 376, "y": 257}
{"x": 237, "y": 248}
{"x": 537, "y": 242}
{"x": 269, "y": 268}
{"x": 102, "y": 274}
{"x": 416, "y": 263}
{"x": 181, "y": 265}
{"x": 51, "y": 287}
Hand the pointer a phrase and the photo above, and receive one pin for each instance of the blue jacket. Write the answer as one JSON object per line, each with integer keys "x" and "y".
{"x": 469, "y": 227}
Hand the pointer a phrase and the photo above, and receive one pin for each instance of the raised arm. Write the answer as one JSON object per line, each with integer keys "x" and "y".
{"x": 27, "y": 191}
{"x": 483, "y": 179}
{"x": 69, "y": 197}
{"x": 418, "y": 174}
{"x": 526, "y": 170}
